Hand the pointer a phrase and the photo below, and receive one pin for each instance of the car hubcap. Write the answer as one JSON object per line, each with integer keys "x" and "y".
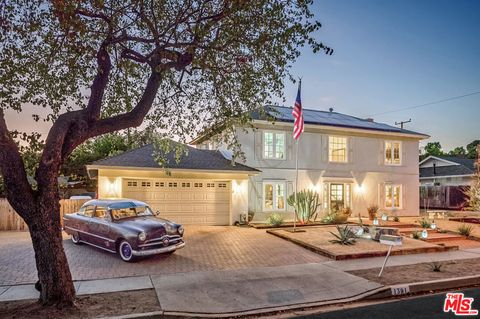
{"x": 75, "y": 238}
{"x": 126, "y": 251}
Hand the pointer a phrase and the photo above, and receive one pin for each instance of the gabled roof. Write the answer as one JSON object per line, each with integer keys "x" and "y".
{"x": 194, "y": 159}
{"x": 327, "y": 118}
{"x": 460, "y": 166}
{"x": 314, "y": 117}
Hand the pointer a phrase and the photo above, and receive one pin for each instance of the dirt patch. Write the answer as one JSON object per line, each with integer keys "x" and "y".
{"x": 421, "y": 272}
{"x": 88, "y": 306}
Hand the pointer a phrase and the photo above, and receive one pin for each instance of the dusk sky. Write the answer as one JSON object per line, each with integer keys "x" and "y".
{"x": 391, "y": 55}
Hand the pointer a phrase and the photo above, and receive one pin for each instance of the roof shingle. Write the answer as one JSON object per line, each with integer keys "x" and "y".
{"x": 193, "y": 159}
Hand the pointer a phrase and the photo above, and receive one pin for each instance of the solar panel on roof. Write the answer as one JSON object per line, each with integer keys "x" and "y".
{"x": 329, "y": 118}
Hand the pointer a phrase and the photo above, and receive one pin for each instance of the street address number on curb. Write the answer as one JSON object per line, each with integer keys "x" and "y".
{"x": 400, "y": 290}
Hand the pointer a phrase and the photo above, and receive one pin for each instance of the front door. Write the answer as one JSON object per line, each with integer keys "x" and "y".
{"x": 337, "y": 196}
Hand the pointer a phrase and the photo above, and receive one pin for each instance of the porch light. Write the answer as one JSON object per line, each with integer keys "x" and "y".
{"x": 375, "y": 221}
{"x": 360, "y": 189}
{"x": 424, "y": 233}
{"x": 433, "y": 225}
{"x": 237, "y": 187}
{"x": 384, "y": 217}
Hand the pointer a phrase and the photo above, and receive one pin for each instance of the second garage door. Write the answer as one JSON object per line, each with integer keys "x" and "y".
{"x": 199, "y": 202}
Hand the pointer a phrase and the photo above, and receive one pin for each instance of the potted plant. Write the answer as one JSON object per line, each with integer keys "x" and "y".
{"x": 372, "y": 211}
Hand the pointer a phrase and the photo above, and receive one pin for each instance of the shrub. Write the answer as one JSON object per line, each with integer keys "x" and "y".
{"x": 275, "y": 219}
{"x": 338, "y": 216}
{"x": 436, "y": 266}
{"x": 424, "y": 223}
{"x": 396, "y": 219}
{"x": 465, "y": 230}
{"x": 372, "y": 211}
{"x": 416, "y": 234}
{"x": 306, "y": 205}
{"x": 345, "y": 236}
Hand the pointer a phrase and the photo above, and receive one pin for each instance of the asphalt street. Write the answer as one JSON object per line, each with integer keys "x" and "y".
{"x": 422, "y": 307}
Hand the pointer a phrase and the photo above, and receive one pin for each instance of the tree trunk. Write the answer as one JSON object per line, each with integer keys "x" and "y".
{"x": 52, "y": 266}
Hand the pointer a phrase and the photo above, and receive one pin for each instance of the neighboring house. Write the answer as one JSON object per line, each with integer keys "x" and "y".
{"x": 444, "y": 180}
{"x": 349, "y": 161}
{"x": 447, "y": 171}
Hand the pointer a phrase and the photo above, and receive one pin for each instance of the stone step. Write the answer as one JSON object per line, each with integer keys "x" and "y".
{"x": 439, "y": 237}
{"x": 389, "y": 224}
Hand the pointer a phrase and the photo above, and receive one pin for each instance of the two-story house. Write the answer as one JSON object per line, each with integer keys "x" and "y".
{"x": 349, "y": 161}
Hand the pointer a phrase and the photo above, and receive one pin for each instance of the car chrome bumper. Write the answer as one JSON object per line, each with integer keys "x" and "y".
{"x": 156, "y": 251}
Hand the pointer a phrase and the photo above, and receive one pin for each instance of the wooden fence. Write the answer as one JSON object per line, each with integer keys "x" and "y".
{"x": 10, "y": 220}
{"x": 443, "y": 197}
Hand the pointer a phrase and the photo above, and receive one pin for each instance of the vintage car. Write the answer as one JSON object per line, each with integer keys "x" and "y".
{"x": 124, "y": 226}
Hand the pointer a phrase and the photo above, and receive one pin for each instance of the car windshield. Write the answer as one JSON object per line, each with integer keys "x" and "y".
{"x": 137, "y": 211}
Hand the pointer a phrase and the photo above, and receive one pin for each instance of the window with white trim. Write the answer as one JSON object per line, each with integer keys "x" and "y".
{"x": 393, "y": 153}
{"x": 274, "y": 145}
{"x": 393, "y": 196}
{"x": 274, "y": 195}
{"x": 337, "y": 149}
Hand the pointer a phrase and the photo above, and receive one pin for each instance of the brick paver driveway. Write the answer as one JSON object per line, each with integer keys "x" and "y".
{"x": 208, "y": 248}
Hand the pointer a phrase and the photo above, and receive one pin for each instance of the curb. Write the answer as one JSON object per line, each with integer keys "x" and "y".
{"x": 427, "y": 286}
{"x": 379, "y": 293}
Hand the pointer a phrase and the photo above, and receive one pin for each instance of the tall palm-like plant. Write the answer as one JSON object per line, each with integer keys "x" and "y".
{"x": 305, "y": 204}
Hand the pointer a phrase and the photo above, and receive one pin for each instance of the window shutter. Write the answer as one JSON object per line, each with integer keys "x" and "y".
{"x": 381, "y": 153}
{"x": 289, "y": 192}
{"x": 350, "y": 145}
{"x": 258, "y": 197}
{"x": 404, "y": 153}
{"x": 258, "y": 144}
{"x": 324, "y": 155}
{"x": 403, "y": 198}
{"x": 289, "y": 145}
{"x": 381, "y": 195}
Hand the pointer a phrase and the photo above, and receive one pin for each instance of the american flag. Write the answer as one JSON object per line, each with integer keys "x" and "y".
{"x": 298, "y": 115}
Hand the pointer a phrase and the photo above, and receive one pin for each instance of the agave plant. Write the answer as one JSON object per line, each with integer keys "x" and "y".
{"x": 345, "y": 236}
{"x": 425, "y": 223}
{"x": 305, "y": 204}
{"x": 465, "y": 230}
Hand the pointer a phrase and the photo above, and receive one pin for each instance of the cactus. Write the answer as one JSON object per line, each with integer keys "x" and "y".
{"x": 305, "y": 204}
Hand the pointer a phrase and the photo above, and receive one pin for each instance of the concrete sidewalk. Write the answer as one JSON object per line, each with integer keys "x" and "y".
{"x": 86, "y": 287}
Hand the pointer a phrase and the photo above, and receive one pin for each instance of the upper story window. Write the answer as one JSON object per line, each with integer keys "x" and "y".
{"x": 337, "y": 149}
{"x": 274, "y": 145}
{"x": 274, "y": 195}
{"x": 393, "y": 195}
{"x": 392, "y": 153}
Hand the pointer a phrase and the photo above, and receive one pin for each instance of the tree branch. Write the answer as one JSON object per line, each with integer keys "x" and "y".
{"x": 99, "y": 83}
{"x": 133, "y": 118}
{"x": 18, "y": 190}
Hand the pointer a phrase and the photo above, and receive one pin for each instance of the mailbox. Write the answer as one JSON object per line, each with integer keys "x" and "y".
{"x": 391, "y": 240}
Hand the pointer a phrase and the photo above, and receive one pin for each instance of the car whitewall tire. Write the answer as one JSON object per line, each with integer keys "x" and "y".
{"x": 125, "y": 251}
{"x": 75, "y": 239}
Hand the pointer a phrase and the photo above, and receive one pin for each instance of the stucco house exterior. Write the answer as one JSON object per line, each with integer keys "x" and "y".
{"x": 349, "y": 161}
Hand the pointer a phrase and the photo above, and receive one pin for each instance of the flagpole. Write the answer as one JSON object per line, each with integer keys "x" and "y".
{"x": 296, "y": 185}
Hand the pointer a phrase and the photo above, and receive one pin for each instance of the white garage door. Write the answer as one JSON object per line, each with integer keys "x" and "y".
{"x": 199, "y": 202}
